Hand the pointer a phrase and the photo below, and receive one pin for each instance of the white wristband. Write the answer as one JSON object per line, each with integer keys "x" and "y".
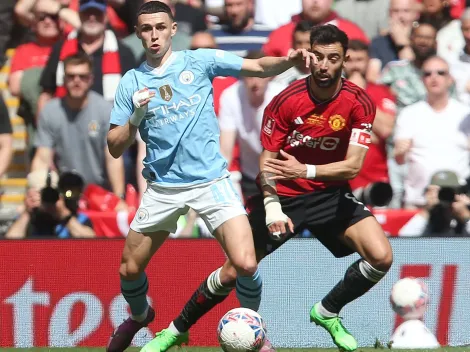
{"x": 136, "y": 118}
{"x": 273, "y": 210}
{"x": 311, "y": 171}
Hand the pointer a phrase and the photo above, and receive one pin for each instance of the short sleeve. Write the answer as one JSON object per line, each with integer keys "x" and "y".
{"x": 387, "y": 102}
{"x": 219, "y": 62}
{"x": 123, "y": 107}
{"x": 226, "y": 111}
{"x": 275, "y": 127}
{"x": 403, "y": 127}
{"x": 45, "y": 133}
{"x": 363, "y": 115}
{"x": 19, "y": 60}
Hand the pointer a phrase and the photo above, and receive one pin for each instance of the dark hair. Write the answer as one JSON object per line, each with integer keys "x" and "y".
{"x": 154, "y": 7}
{"x": 78, "y": 59}
{"x": 254, "y": 55}
{"x": 303, "y": 26}
{"x": 358, "y": 45}
{"x": 422, "y": 22}
{"x": 328, "y": 34}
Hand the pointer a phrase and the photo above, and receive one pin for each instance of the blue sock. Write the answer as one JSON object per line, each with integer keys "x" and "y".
{"x": 249, "y": 290}
{"x": 135, "y": 293}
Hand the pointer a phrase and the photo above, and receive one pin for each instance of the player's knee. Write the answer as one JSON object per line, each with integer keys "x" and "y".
{"x": 129, "y": 270}
{"x": 382, "y": 260}
{"x": 246, "y": 267}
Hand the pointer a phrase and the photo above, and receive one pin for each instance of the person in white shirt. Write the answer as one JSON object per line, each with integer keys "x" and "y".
{"x": 240, "y": 117}
{"x": 433, "y": 134}
{"x": 460, "y": 64}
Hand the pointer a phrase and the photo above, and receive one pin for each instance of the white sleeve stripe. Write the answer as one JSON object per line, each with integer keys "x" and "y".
{"x": 359, "y": 145}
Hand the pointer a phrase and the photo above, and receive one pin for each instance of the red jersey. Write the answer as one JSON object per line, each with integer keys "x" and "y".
{"x": 316, "y": 132}
{"x": 375, "y": 167}
{"x": 30, "y": 55}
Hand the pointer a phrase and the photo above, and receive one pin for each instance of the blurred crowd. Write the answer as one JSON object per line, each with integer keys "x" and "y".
{"x": 412, "y": 57}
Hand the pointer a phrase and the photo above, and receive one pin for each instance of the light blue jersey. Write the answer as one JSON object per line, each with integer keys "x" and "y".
{"x": 180, "y": 128}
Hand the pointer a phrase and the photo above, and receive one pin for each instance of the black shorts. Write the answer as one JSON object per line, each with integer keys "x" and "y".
{"x": 326, "y": 214}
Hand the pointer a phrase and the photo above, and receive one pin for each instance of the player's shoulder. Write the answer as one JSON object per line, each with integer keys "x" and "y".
{"x": 358, "y": 96}
{"x": 288, "y": 95}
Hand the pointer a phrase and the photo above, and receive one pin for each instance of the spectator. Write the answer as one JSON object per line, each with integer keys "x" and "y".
{"x": 395, "y": 45}
{"x": 436, "y": 12}
{"x": 450, "y": 40}
{"x": 203, "y": 40}
{"x": 6, "y": 138}
{"x": 111, "y": 59}
{"x": 72, "y": 130}
{"x": 446, "y": 209}
{"x": 29, "y": 12}
{"x": 50, "y": 209}
{"x": 180, "y": 41}
{"x": 7, "y": 20}
{"x": 375, "y": 167}
{"x": 316, "y": 12}
{"x": 301, "y": 40}
{"x": 432, "y": 135}
{"x": 404, "y": 77}
{"x": 239, "y": 34}
{"x": 276, "y": 13}
{"x": 241, "y": 114}
{"x": 359, "y": 11}
{"x": 460, "y": 65}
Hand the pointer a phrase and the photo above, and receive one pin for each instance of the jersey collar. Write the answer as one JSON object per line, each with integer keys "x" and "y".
{"x": 161, "y": 70}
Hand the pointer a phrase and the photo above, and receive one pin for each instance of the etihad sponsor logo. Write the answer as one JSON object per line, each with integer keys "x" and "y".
{"x": 169, "y": 114}
{"x": 324, "y": 143}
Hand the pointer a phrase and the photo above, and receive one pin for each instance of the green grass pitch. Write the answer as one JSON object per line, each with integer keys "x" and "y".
{"x": 213, "y": 349}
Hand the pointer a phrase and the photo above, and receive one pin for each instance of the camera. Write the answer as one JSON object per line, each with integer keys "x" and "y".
{"x": 377, "y": 194}
{"x": 70, "y": 186}
{"x": 447, "y": 194}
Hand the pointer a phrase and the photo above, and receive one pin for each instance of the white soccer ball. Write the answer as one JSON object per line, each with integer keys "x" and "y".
{"x": 409, "y": 298}
{"x": 241, "y": 330}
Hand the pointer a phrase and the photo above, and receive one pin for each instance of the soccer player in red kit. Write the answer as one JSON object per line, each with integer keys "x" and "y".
{"x": 315, "y": 136}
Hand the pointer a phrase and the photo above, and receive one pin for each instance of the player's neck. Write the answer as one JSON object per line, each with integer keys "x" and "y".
{"x": 76, "y": 104}
{"x": 158, "y": 62}
{"x": 323, "y": 94}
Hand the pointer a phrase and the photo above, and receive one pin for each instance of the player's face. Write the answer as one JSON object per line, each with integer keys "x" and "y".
{"x": 155, "y": 30}
{"x": 78, "y": 80}
{"x": 436, "y": 77}
{"x": 256, "y": 87}
{"x": 357, "y": 62}
{"x": 330, "y": 64}
{"x": 238, "y": 12}
{"x": 466, "y": 31}
{"x": 93, "y": 22}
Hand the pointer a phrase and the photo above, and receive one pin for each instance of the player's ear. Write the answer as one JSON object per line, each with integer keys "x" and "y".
{"x": 174, "y": 28}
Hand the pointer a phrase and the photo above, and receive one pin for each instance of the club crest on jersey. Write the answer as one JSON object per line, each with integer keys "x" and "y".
{"x": 166, "y": 92}
{"x": 268, "y": 126}
{"x": 186, "y": 77}
{"x": 316, "y": 120}
{"x": 142, "y": 215}
{"x": 337, "y": 122}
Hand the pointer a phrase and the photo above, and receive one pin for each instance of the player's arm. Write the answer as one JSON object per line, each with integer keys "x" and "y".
{"x": 122, "y": 134}
{"x": 270, "y": 66}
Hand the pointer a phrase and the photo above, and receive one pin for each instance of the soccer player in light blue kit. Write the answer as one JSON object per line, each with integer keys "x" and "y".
{"x": 169, "y": 100}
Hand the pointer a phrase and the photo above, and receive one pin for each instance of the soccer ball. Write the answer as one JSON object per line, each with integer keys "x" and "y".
{"x": 409, "y": 298}
{"x": 241, "y": 330}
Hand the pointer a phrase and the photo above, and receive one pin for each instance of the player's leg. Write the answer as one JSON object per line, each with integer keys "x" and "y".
{"x": 154, "y": 220}
{"x": 368, "y": 239}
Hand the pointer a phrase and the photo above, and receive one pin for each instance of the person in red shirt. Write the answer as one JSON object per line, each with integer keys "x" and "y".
{"x": 315, "y": 136}
{"x": 317, "y": 12}
{"x": 375, "y": 168}
{"x": 35, "y": 53}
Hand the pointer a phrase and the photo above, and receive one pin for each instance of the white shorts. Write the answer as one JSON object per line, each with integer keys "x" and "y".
{"x": 160, "y": 208}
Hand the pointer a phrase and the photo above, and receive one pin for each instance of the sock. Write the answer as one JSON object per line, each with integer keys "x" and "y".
{"x": 249, "y": 290}
{"x": 135, "y": 293}
{"x": 210, "y": 293}
{"x": 359, "y": 278}
{"x": 325, "y": 313}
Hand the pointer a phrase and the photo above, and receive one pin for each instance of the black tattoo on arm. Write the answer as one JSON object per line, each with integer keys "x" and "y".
{"x": 266, "y": 181}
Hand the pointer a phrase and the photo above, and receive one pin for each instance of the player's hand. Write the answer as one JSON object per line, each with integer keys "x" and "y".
{"x": 278, "y": 230}
{"x": 140, "y": 99}
{"x": 287, "y": 169}
{"x": 302, "y": 55}
{"x": 432, "y": 196}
